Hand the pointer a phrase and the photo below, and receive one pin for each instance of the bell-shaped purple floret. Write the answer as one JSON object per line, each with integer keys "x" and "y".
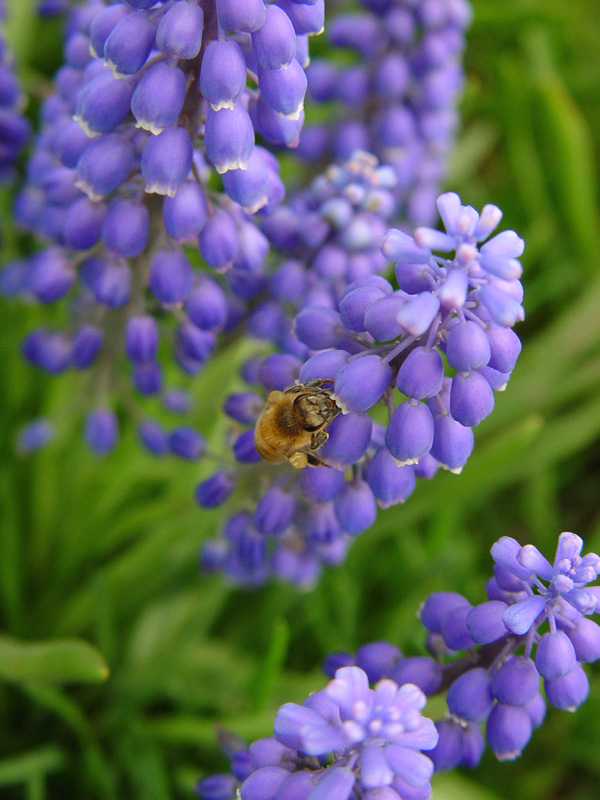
{"x": 467, "y": 347}
{"x": 102, "y": 25}
{"x": 193, "y": 347}
{"x": 508, "y": 730}
{"x": 278, "y": 371}
{"x": 222, "y": 74}
{"x": 274, "y": 127}
{"x": 555, "y": 655}
{"x": 243, "y": 406}
{"x": 503, "y": 309}
{"x": 274, "y": 511}
{"x": 171, "y": 276}
{"x": 218, "y": 239}
{"x": 519, "y": 617}
{"x": 179, "y": 32}
{"x": 377, "y": 659}
{"x": 452, "y": 443}
{"x": 141, "y": 338}
{"x": 274, "y": 43}
{"x": 505, "y": 347}
{"x": 166, "y": 161}
{"x": 147, "y": 378}
{"x": 421, "y": 374}
{"x": 424, "y": 672}
{"x": 129, "y": 44}
{"x": 70, "y": 143}
{"x": 323, "y": 365}
{"x": 317, "y": 327}
{"x": 101, "y": 431}
{"x": 103, "y": 103}
{"x": 355, "y": 507}
{"x": 471, "y": 399}
{"x": 380, "y": 317}
{"x": 158, "y": 97}
{"x": 283, "y": 89}
{"x": 569, "y": 691}
{"x": 86, "y": 346}
{"x": 305, "y": 17}
{"x": 111, "y": 283}
{"x": 321, "y": 485}
{"x": 234, "y": 16}
{"x": 585, "y": 637}
{"x": 470, "y": 696}
{"x": 447, "y": 753}
{"x": 125, "y": 229}
{"x": 455, "y": 632}
{"x": 206, "y": 305}
{"x": 361, "y": 383}
{"x": 47, "y": 350}
{"x": 83, "y": 223}
{"x": 187, "y": 443}
{"x": 349, "y": 438}
{"x": 244, "y": 449}
{"x": 437, "y": 606}
{"x": 184, "y": 214}
{"x": 250, "y": 186}
{"x": 219, "y": 786}
{"x": 228, "y": 137}
{"x": 49, "y": 275}
{"x": 486, "y": 623}
{"x": 104, "y": 165}
{"x": 354, "y": 304}
{"x": 516, "y": 682}
{"x": 153, "y": 437}
{"x": 410, "y": 432}
{"x": 215, "y": 490}
{"x": 391, "y": 484}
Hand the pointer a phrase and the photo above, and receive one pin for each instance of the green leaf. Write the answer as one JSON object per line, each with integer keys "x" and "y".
{"x": 58, "y": 660}
{"x": 20, "y": 768}
{"x": 271, "y": 665}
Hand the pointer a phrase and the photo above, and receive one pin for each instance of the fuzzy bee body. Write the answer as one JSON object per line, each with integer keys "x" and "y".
{"x": 292, "y": 424}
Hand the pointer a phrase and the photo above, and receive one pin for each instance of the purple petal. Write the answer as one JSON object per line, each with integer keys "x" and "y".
{"x": 520, "y": 617}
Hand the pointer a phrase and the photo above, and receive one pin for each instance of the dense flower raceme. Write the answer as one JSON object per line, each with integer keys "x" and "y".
{"x": 398, "y": 97}
{"x": 347, "y": 740}
{"x": 14, "y": 128}
{"x": 378, "y": 346}
{"x": 152, "y": 100}
{"x": 489, "y": 658}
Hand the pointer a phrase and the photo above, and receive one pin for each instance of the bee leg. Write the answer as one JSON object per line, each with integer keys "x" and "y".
{"x": 318, "y": 439}
{"x": 298, "y": 459}
{"x": 315, "y": 461}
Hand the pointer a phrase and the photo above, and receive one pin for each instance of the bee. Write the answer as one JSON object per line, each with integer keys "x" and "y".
{"x": 292, "y": 424}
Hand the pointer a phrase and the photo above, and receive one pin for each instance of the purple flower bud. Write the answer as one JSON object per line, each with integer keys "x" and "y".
{"x": 243, "y": 406}
{"x": 317, "y": 326}
{"x": 390, "y": 483}
{"x": 377, "y": 659}
{"x": 519, "y": 617}
{"x": 274, "y": 127}
{"x": 110, "y": 282}
{"x": 206, "y": 305}
{"x": 234, "y": 16}
{"x": 104, "y": 165}
{"x": 274, "y": 511}
{"x": 153, "y": 437}
{"x": 410, "y": 431}
{"x": 166, "y": 161}
{"x": 125, "y": 228}
{"x": 497, "y": 380}
{"x": 103, "y": 24}
{"x": 278, "y": 371}
{"x": 505, "y": 347}
{"x": 263, "y": 783}
{"x": 35, "y": 435}
{"x": 354, "y": 304}
{"x": 424, "y": 672}
{"x": 361, "y": 383}
{"x": 355, "y": 507}
{"x": 193, "y": 347}
{"x": 305, "y": 17}
{"x": 187, "y": 443}
{"x": 283, "y": 89}
{"x": 485, "y": 622}
{"x": 83, "y": 224}
{"x": 417, "y": 315}
{"x": 321, "y": 485}
{"x": 228, "y": 137}
{"x": 158, "y": 97}
{"x": 86, "y": 346}
{"x": 103, "y": 103}
{"x": 141, "y": 339}
{"x": 516, "y": 682}
{"x": 216, "y": 787}
{"x": 349, "y": 438}
{"x": 48, "y": 351}
{"x": 473, "y": 746}
{"x": 453, "y": 291}
{"x": 504, "y": 310}
{"x": 421, "y": 374}
{"x": 467, "y": 347}
{"x": 555, "y": 655}
{"x": 437, "y": 606}
{"x": 448, "y": 751}
{"x": 101, "y": 431}
{"x": 323, "y": 365}
{"x": 499, "y": 255}
{"x": 249, "y": 187}
{"x": 184, "y": 213}
{"x": 454, "y": 629}
{"x": 171, "y": 276}
{"x": 223, "y": 75}
{"x": 471, "y": 398}
{"x": 585, "y": 637}
{"x": 274, "y": 43}
{"x": 452, "y": 443}
{"x": 70, "y": 143}
{"x": 129, "y": 43}
{"x": 380, "y": 317}
{"x": 218, "y": 239}
{"x": 399, "y": 246}
{"x": 215, "y": 490}
{"x": 569, "y": 691}
{"x": 59, "y": 188}
{"x": 470, "y": 696}
{"x": 178, "y": 401}
{"x": 536, "y": 709}
{"x": 147, "y": 377}
{"x": 244, "y": 449}
{"x": 508, "y": 730}
{"x": 179, "y": 32}
{"x": 49, "y": 275}
{"x": 336, "y": 661}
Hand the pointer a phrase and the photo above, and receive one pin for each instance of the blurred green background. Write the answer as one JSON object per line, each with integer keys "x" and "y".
{"x": 117, "y": 658}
